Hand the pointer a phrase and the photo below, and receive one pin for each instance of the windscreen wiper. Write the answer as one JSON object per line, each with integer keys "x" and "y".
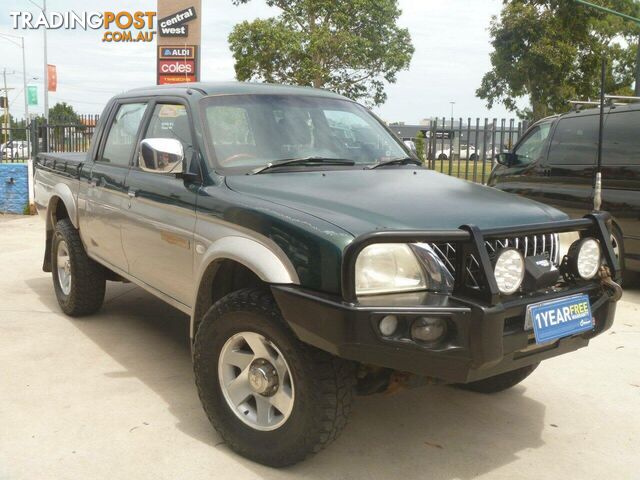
{"x": 303, "y": 161}
{"x": 396, "y": 161}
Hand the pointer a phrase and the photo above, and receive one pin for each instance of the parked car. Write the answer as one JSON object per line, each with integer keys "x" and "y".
{"x": 466, "y": 152}
{"x": 14, "y": 149}
{"x": 555, "y": 163}
{"x": 314, "y": 263}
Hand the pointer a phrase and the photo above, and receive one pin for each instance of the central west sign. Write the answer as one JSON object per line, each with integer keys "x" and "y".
{"x": 178, "y": 41}
{"x": 175, "y": 25}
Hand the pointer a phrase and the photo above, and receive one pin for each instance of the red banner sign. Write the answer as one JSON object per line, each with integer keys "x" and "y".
{"x": 52, "y": 78}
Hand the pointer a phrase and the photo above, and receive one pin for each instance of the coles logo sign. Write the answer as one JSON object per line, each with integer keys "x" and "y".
{"x": 180, "y": 67}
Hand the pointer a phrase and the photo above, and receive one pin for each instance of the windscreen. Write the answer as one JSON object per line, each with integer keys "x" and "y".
{"x": 250, "y": 131}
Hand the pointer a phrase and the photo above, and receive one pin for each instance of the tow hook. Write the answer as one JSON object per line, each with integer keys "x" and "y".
{"x": 607, "y": 281}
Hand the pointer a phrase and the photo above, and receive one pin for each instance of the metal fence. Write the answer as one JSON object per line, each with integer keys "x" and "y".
{"x": 457, "y": 147}
{"x": 20, "y": 142}
{"x": 464, "y": 149}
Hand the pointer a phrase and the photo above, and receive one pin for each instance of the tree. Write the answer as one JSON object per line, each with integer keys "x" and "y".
{"x": 63, "y": 113}
{"x": 550, "y": 51}
{"x": 351, "y": 47}
{"x": 419, "y": 142}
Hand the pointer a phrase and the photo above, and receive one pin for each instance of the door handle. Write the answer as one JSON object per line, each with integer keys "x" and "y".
{"x": 546, "y": 172}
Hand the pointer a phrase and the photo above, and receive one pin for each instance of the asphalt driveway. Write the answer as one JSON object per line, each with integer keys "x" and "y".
{"x": 112, "y": 397}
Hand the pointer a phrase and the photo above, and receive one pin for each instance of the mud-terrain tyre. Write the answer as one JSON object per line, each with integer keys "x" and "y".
{"x": 315, "y": 388}
{"x": 499, "y": 382}
{"x": 79, "y": 283}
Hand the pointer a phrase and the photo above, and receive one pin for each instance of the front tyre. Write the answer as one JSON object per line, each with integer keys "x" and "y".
{"x": 272, "y": 398}
{"x": 500, "y": 382}
{"x": 78, "y": 281}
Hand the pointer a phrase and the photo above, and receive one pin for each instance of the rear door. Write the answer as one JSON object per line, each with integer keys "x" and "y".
{"x": 160, "y": 209}
{"x": 570, "y": 165}
{"x": 621, "y": 177}
{"x": 106, "y": 196}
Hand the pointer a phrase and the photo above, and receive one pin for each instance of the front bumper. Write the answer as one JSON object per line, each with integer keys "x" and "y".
{"x": 486, "y": 335}
{"x": 485, "y": 341}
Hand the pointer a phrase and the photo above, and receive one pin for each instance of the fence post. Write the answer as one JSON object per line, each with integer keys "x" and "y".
{"x": 33, "y": 138}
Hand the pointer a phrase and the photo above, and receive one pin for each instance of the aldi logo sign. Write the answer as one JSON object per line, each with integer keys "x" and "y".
{"x": 175, "y": 25}
{"x": 168, "y": 52}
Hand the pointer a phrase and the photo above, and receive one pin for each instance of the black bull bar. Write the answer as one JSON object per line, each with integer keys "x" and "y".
{"x": 470, "y": 240}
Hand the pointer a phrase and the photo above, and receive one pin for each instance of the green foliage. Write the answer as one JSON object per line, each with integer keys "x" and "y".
{"x": 550, "y": 51}
{"x": 420, "y": 146}
{"x": 350, "y": 47}
{"x": 63, "y": 113}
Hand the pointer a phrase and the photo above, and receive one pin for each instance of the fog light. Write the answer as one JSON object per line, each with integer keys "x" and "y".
{"x": 388, "y": 325}
{"x": 428, "y": 329}
{"x": 509, "y": 270}
{"x": 588, "y": 261}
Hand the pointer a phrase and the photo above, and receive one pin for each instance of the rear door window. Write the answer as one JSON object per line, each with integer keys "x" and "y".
{"x": 118, "y": 148}
{"x": 575, "y": 141}
{"x": 621, "y": 145}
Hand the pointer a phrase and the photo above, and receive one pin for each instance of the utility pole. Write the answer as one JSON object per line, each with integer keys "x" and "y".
{"x": 24, "y": 75}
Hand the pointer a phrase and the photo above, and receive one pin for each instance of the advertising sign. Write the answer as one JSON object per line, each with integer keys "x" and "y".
{"x": 178, "y": 41}
{"x": 175, "y": 25}
{"x": 52, "y": 77}
{"x": 177, "y": 64}
{"x": 32, "y": 95}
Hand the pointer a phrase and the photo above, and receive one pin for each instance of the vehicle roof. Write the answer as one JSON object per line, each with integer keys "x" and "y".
{"x": 594, "y": 111}
{"x": 230, "y": 88}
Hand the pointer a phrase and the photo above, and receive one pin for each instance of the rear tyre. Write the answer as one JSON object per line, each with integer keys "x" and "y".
{"x": 499, "y": 382}
{"x": 473, "y": 157}
{"x": 78, "y": 281}
{"x": 442, "y": 156}
{"x": 272, "y": 398}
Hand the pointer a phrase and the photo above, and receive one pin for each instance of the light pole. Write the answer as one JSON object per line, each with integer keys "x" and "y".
{"x": 452, "y": 104}
{"x": 46, "y": 77}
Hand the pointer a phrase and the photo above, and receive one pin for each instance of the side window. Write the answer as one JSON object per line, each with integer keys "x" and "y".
{"x": 532, "y": 146}
{"x": 620, "y": 145}
{"x": 121, "y": 139}
{"x": 575, "y": 141}
{"x": 170, "y": 121}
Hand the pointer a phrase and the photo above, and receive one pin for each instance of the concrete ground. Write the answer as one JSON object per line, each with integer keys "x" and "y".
{"x": 112, "y": 397}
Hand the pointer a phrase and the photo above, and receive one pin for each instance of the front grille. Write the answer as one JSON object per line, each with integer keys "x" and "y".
{"x": 544, "y": 244}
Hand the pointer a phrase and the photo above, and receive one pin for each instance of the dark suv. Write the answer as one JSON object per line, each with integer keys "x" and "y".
{"x": 555, "y": 163}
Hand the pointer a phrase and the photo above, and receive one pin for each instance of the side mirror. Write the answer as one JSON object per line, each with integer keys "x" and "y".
{"x": 507, "y": 159}
{"x": 161, "y": 155}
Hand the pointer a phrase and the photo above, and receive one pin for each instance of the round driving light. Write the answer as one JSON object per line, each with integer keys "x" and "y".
{"x": 428, "y": 329}
{"x": 388, "y": 325}
{"x": 588, "y": 260}
{"x": 509, "y": 270}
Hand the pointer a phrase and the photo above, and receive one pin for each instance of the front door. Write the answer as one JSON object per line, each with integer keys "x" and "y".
{"x": 157, "y": 233}
{"x": 106, "y": 195}
{"x": 570, "y": 165}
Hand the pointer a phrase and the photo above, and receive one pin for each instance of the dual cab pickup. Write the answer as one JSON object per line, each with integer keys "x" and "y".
{"x": 315, "y": 255}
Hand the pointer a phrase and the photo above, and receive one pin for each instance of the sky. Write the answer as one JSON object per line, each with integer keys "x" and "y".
{"x": 450, "y": 37}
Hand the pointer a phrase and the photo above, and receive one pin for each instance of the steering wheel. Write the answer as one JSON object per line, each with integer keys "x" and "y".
{"x": 238, "y": 156}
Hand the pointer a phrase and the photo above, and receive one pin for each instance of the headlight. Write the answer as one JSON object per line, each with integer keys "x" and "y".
{"x": 400, "y": 267}
{"x": 388, "y": 267}
{"x": 585, "y": 258}
{"x": 509, "y": 270}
